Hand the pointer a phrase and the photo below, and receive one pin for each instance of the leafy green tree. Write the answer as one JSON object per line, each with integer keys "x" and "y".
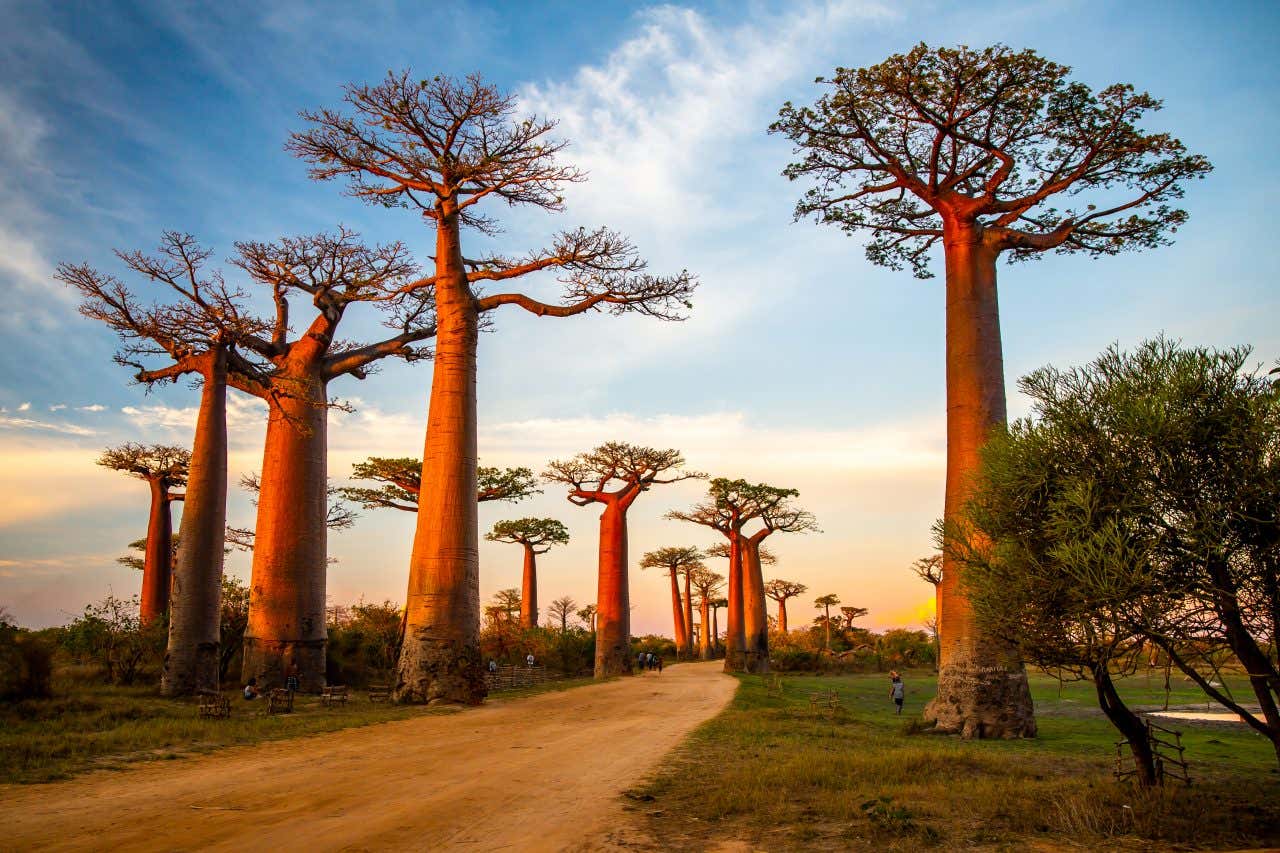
{"x": 983, "y": 153}
{"x": 1137, "y": 504}
{"x": 401, "y": 480}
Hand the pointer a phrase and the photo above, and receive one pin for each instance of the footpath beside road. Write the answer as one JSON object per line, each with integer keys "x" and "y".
{"x": 542, "y": 773}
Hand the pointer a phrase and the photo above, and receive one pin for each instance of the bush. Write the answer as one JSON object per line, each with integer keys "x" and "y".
{"x": 110, "y": 635}
{"x": 364, "y": 644}
{"x": 653, "y": 644}
{"x": 26, "y": 665}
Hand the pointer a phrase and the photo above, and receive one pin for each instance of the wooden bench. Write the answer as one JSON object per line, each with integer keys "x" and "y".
{"x": 379, "y": 692}
{"x": 213, "y": 704}
{"x": 280, "y": 701}
{"x": 332, "y": 694}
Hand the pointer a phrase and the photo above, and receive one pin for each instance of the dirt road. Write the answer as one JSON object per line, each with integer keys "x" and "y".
{"x": 543, "y": 773}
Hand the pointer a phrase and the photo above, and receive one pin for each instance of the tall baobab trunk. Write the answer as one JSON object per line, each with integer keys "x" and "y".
{"x": 290, "y": 556}
{"x": 529, "y": 590}
{"x": 755, "y": 614}
{"x": 193, "y": 657}
{"x": 688, "y": 617}
{"x": 677, "y": 608}
{"x": 706, "y": 637}
{"x": 440, "y": 659}
{"x": 157, "y": 559}
{"x": 782, "y": 615}
{"x": 826, "y": 623}
{"x": 715, "y": 629}
{"x": 982, "y": 687}
{"x": 613, "y": 603}
{"x": 735, "y": 641}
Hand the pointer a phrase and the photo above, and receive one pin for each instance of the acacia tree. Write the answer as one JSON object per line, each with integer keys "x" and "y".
{"x": 536, "y": 536}
{"x": 401, "y": 480}
{"x": 561, "y": 609}
{"x": 971, "y": 149}
{"x": 198, "y": 334}
{"x": 708, "y": 584}
{"x": 826, "y": 602}
{"x": 614, "y": 475}
{"x": 676, "y": 560}
{"x": 163, "y": 468}
{"x": 780, "y": 590}
{"x": 442, "y": 147}
{"x": 290, "y": 557}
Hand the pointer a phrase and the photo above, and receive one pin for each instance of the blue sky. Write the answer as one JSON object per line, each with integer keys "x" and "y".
{"x": 802, "y": 365}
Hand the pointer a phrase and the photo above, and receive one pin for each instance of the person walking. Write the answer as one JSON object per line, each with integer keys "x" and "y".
{"x": 897, "y": 691}
{"x": 659, "y": 664}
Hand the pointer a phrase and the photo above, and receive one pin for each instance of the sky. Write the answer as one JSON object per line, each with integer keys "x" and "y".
{"x": 802, "y": 365}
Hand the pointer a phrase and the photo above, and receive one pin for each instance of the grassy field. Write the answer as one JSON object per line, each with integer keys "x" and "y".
{"x": 94, "y": 726}
{"x": 770, "y": 773}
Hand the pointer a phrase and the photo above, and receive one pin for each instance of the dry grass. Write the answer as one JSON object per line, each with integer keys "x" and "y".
{"x": 769, "y": 772}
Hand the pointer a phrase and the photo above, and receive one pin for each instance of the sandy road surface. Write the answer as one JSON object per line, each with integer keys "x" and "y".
{"x": 542, "y": 773}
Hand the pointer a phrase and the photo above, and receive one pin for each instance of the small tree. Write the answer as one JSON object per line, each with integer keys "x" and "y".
{"x": 780, "y": 590}
{"x": 443, "y": 148}
{"x": 112, "y": 635}
{"x": 614, "y": 474}
{"x": 560, "y": 610}
{"x": 163, "y": 468}
{"x": 974, "y": 150}
{"x": 536, "y": 536}
{"x": 826, "y": 602}
{"x": 852, "y": 613}
{"x": 235, "y": 618}
{"x": 588, "y": 617}
{"x": 676, "y": 560}
{"x": 401, "y": 480}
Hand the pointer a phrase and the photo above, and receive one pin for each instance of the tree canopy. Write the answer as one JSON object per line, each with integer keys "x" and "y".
{"x": 617, "y": 471}
{"x": 540, "y": 534}
{"x": 164, "y": 463}
{"x": 674, "y": 559}
{"x": 401, "y": 479}
{"x": 994, "y": 137}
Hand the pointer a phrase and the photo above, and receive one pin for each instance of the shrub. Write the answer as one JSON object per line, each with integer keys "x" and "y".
{"x": 110, "y": 635}
{"x": 364, "y": 644}
{"x": 26, "y": 665}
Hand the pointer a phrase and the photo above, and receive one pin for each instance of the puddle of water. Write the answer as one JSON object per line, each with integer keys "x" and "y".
{"x": 1206, "y": 716}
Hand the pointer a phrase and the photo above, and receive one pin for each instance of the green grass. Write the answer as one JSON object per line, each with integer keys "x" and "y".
{"x": 768, "y": 772}
{"x": 95, "y": 726}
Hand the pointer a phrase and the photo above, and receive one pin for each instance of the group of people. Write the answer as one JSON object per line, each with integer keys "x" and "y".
{"x": 253, "y": 691}
{"x": 648, "y": 660}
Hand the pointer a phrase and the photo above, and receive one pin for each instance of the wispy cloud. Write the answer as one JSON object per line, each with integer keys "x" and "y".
{"x": 57, "y": 407}
{"x": 25, "y": 407}
{"x": 64, "y": 428}
{"x": 94, "y": 407}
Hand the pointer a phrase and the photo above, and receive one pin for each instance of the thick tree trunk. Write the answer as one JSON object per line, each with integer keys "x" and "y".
{"x": 290, "y": 556}
{"x": 826, "y": 623}
{"x": 1128, "y": 724}
{"x": 688, "y": 616}
{"x": 982, "y": 686}
{"x": 735, "y": 640}
{"x": 755, "y": 613}
{"x": 678, "y": 614}
{"x": 706, "y": 637}
{"x": 157, "y": 557}
{"x": 782, "y": 615}
{"x": 529, "y": 590}
{"x": 192, "y": 660}
{"x": 715, "y": 630}
{"x": 613, "y": 602}
{"x": 440, "y": 661}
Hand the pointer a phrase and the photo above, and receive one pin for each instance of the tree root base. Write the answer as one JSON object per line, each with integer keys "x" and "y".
{"x": 983, "y": 702}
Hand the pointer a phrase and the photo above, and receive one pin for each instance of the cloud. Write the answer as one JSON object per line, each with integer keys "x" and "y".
{"x": 45, "y": 426}
{"x": 57, "y": 407}
{"x": 25, "y": 407}
{"x": 95, "y": 407}
{"x": 243, "y": 413}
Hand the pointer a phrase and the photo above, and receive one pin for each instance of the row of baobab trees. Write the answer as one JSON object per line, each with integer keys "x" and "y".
{"x": 982, "y": 152}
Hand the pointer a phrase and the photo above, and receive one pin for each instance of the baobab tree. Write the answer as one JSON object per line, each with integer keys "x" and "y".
{"x": 536, "y": 536}
{"x": 986, "y": 152}
{"x": 852, "y": 613}
{"x": 331, "y": 272}
{"x": 675, "y": 560}
{"x": 442, "y": 147}
{"x": 708, "y": 584}
{"x": 729, "y": 507}
{"x": 716, "y": 606}
{"x": 826, "y": 602}
{"x": 929, "y": 570}
{"x": 163, "y": 468}
{"x": 588, "y": 617}
{"x": 614, "y": 475}
{"x": 401, "y": 480}
{"x": 198, "y": 333}
{"x": 560, "y": 610}
{"x": 780, "y": 590}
